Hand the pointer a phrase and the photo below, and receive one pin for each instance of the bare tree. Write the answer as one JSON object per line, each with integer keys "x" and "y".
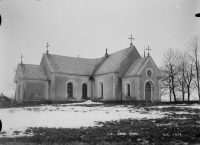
{"x": 189, "y": 76}
{"x": 182, "y": 74}
{"x": 170, "y": 69}
{"x": 193, "y": 52}
{"x": 185, "y": 75}
{"x": 165, "y": 84}
{"x": 12, "y": 85}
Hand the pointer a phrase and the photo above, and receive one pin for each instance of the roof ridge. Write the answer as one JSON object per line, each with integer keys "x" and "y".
{"x": 89, "y": 58}
{"x": 45, "y": 57}
{"x": 98, "y": 65}
{"x": 30, "y": 64}
{"x": 55, "y": 67}
{"x": 144, "y": 64}
{"x": 130, "y": 65}
{"x": 130, "y": 48}
{"x": 74, "y": 57}
{"x": 135, "y": 62}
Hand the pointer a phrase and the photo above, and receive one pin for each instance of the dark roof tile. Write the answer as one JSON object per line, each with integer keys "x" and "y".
{"x": 135, "y": 67}
{"x": 112, "y": 63}
{"x": 31, "y": 71}
{"x": 72, "y": 65}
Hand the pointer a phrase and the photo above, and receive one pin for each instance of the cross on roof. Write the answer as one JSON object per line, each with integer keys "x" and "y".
{"x": 47, "y": 48}
{"x": 131, "y": 40}
{"x": 148, "y": 50}
{"x": 21, "y": 58}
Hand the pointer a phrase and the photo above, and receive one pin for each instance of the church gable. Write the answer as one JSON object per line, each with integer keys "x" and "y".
{"x": 150, "y": 64}
{"x": 44, "y": 62}
{"x": 19, "y": 73}
{"x": 118, "y": 61}
{"x": 131, "y": 56}
{"x": 136, "y": 68}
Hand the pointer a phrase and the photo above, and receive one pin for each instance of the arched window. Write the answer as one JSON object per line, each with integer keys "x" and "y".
{"x": 84, "y": 91}
{"x": 148, "y": 91}
{"x": 101, "y": 89}
{"x": 69, "y": 90}
{"x": 128, "y": 89}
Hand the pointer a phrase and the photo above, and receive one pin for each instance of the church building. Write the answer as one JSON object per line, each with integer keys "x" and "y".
{"x": 121, "y": 76}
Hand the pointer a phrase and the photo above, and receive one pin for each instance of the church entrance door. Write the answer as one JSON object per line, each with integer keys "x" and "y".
{"x": 84, "y": 91}
{"x": 148, "y": 89}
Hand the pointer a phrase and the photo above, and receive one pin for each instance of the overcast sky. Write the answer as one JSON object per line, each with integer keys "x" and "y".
{"x": 86, "y": 28}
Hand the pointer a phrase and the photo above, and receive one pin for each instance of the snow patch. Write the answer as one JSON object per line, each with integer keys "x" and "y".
{"x": 17, "y": 120}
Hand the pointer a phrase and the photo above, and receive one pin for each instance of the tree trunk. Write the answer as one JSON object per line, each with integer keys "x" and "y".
{"x": 199, "y": 96}
{"x": 183, "y": 92}
{"x": 173, "y": 90}
{"x": 197, "y": 71}
{"x": 188, "y": 90}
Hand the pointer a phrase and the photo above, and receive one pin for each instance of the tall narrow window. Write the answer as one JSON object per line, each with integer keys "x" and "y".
{"x": 101, "y": 90}
{"x": 70, "y": 90}
{"x": 84, "y": 91}
{"x": 128, "y": 89}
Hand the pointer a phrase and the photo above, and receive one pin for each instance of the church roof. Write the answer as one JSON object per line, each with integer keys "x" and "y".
{"x": 135, "y": 67}
{"x": 35, "y": 72}
{"x": 84, "y": 66}
{"x": 72, "y": 65}
{"x": 112, "y": 63}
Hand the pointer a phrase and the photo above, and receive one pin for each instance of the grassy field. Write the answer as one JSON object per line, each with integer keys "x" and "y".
{"x": 179, "y": 125}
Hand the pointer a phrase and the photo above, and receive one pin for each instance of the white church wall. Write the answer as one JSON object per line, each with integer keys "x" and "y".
{"x": 61, "y": 81}
{"x": 137, "y": 88}
{"x": 125, "y": 96}
{"x": 35, "y": 90}
{"x": 19, "y": 87}
{"x": 107, "y": 80}
{"x": 117, "y": 88}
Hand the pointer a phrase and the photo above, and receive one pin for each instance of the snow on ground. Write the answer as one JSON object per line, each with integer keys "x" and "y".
{"x": 193, "y": 106}
{"x": 72, "y": 115}
{"x": 66, "y": 116}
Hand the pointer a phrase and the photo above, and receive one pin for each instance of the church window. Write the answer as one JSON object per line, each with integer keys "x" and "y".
{"x": 149, "y": 72}
{"x": 70, "y": 90}
{"x": 101, "y": 89}
{"x": 128, "y": 89}
{"x": 84, "y": 91}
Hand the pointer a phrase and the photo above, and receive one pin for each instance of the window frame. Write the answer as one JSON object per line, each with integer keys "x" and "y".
{"x": 149, "y": 69}
{"x": 83, "y": 91}
{"x": 128, "y": 89}
{"x": 70, "y": 90}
